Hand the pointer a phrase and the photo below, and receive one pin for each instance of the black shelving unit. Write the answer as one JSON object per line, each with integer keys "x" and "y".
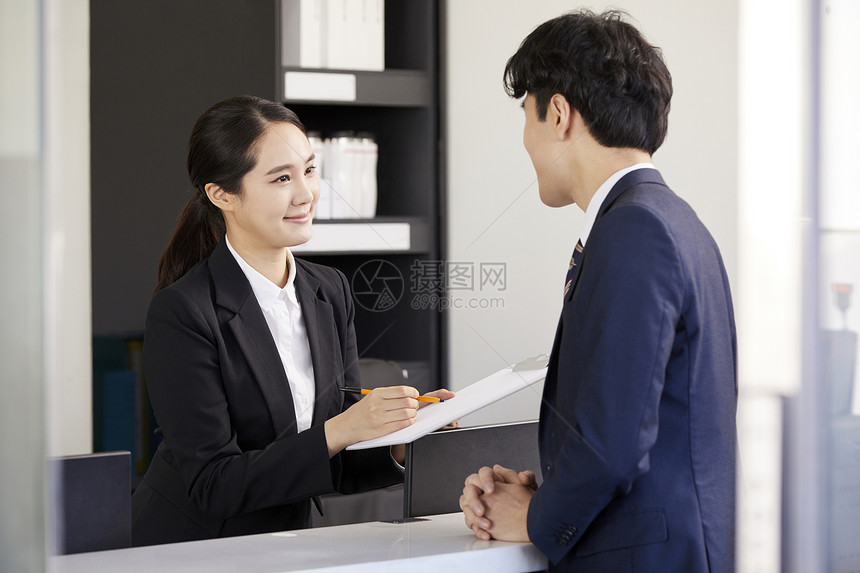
{"x": 400, "y": 106}
{"x": 157, "y": 64}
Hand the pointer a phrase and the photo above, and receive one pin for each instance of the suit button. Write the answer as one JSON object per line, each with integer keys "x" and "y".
{"x": 566, "y": 534}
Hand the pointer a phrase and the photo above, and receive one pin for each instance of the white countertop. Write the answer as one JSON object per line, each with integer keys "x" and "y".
{"x": 443, "y": 543}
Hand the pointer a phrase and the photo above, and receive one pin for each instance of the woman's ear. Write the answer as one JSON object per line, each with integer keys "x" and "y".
{"x": 219, "y": 197}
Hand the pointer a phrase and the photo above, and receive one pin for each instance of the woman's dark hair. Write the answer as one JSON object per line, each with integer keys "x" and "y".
{"x": 221, "y": 150}
{"x": 605, "y": 69}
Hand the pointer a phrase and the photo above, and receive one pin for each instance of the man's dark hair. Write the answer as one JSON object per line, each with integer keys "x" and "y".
{"x": 605, "y": 69}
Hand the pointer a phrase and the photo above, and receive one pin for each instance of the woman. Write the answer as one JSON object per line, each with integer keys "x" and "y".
{"x": 246, "y": 347}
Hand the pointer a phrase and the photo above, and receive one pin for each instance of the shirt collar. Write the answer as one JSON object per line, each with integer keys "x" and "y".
{"x": 600, "y": 196}
{"x": 266, "y": 291}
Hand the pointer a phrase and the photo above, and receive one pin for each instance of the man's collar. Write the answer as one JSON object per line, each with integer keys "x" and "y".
{"x": 600, "y": 196}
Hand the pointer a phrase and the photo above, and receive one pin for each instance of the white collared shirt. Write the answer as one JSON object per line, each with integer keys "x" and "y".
{"x": 284, "y": 317}
{"x": 600, "y": 196}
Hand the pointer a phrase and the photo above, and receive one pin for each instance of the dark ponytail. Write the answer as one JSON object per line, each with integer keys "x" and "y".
{"x": 221, "y": 150}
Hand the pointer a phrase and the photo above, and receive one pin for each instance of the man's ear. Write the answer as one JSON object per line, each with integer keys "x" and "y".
{"x": 220, "y": 198}
{"x": 562, "y": 115}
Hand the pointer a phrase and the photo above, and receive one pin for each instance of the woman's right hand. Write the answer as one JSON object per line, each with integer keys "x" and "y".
{"x": 381, "y": 412}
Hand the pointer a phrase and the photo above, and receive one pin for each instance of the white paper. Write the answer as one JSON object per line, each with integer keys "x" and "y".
{"x": 473, "y": 397}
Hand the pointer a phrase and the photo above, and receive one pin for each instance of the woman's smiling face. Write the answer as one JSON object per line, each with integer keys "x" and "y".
{"x": 276, "y": 206}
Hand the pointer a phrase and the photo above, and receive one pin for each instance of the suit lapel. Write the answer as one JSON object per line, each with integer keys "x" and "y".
{"x": 319, "y": 324}
{"x": 247, "y": 323}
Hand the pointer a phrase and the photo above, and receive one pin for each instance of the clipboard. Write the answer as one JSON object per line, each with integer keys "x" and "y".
{"x": 473, "y": 397}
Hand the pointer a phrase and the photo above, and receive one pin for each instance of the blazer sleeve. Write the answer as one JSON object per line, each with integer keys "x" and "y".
{"x": 373, "y": 468}
{"x": 617, "y": 336}
{"x": 183, "y": 360}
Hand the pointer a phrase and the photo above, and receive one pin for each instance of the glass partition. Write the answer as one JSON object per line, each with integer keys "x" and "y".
{"x": 21, "y": 406}
{"x": 839, "y": 277}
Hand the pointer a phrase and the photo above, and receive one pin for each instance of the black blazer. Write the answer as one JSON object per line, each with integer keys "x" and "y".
{"x": 637, "y": 425}
{"x": 231, "y": 461}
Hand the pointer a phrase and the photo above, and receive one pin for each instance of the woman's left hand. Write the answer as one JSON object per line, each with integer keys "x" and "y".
{"x": 442, "y": 394}
{"x": 398, "y": 451}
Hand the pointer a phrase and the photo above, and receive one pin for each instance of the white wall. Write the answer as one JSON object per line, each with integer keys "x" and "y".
{"x": 494, "y": 211}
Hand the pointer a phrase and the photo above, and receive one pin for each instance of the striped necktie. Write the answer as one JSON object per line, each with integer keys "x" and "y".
{"x": 571, "y": 269}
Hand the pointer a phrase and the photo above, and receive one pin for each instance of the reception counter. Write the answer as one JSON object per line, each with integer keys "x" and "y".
{"x": 439, "y": 543}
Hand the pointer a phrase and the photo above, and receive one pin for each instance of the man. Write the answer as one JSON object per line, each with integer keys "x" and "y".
{"x": 637, "y": 425}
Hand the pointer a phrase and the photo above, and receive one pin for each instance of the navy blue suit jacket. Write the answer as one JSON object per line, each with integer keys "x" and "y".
{"x": 637, "y": 426}
{"x": 232, "y": 461}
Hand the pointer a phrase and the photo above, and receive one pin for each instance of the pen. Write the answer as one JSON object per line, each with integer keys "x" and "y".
{"x": 366, "y": 391}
